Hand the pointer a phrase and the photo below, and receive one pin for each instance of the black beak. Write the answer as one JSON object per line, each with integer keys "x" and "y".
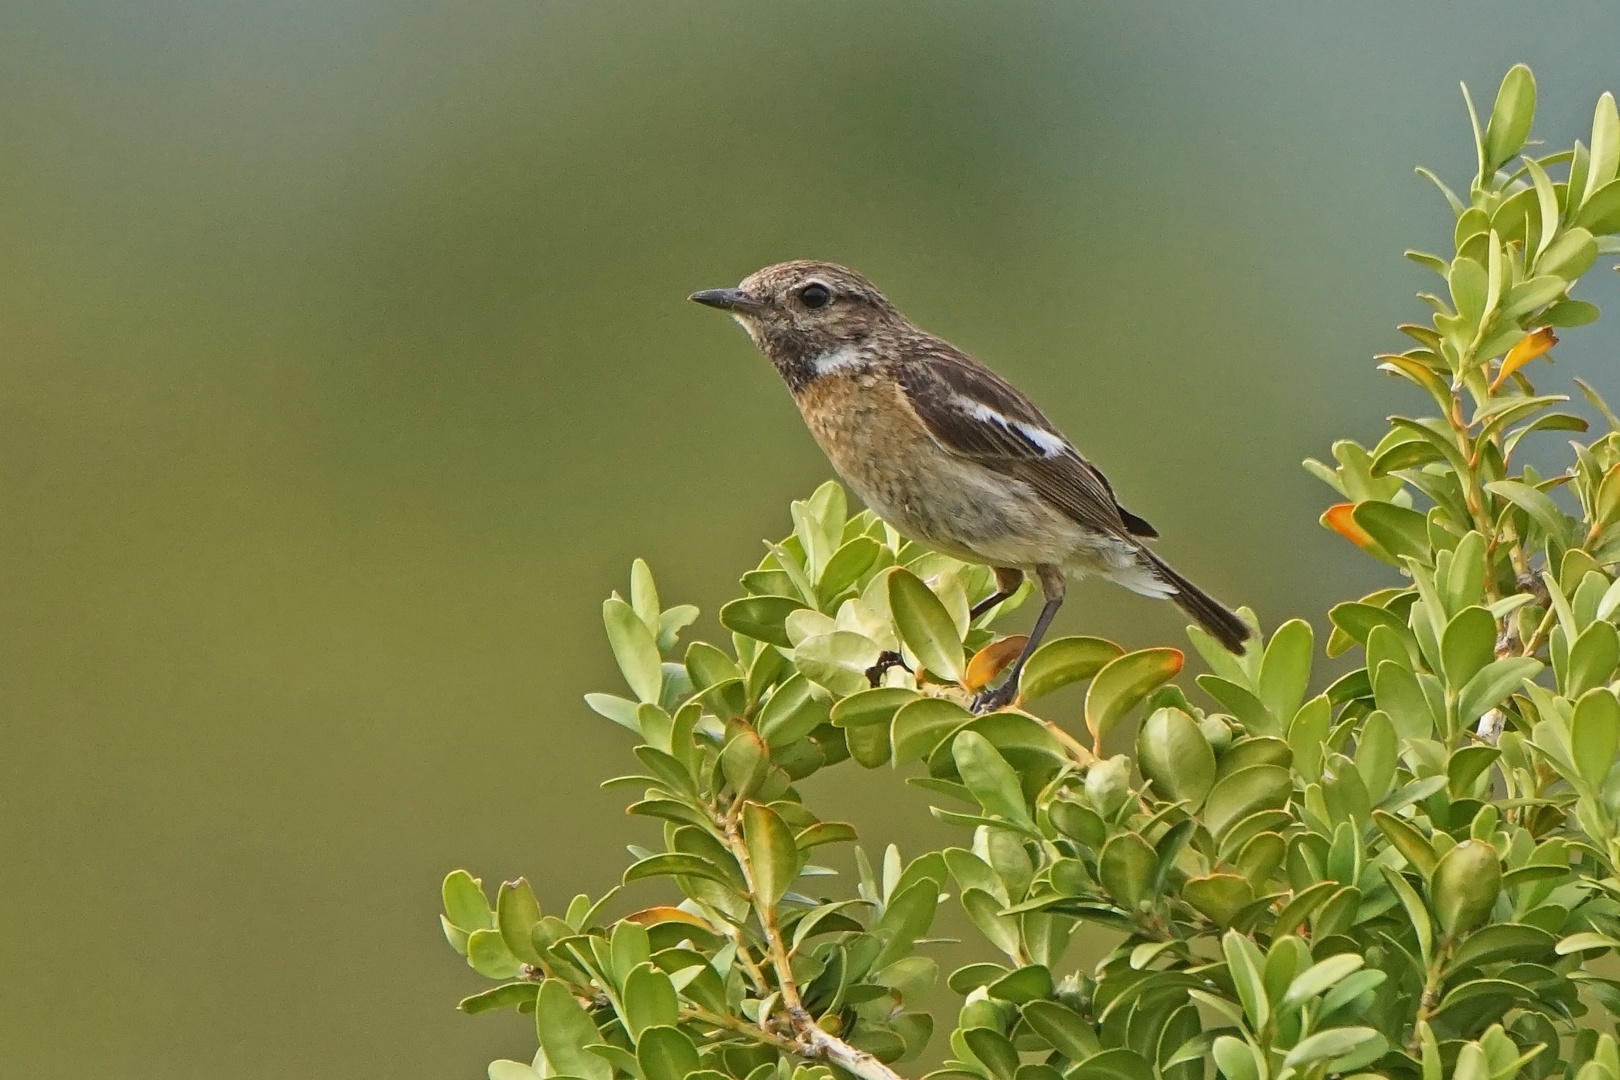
{"x": 726, "y": 299}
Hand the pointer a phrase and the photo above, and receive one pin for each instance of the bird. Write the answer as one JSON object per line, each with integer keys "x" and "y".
{"x": 949, "y": 453}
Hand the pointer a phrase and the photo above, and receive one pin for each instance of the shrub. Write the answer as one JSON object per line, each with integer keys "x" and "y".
{"x": 1410, "y": 874}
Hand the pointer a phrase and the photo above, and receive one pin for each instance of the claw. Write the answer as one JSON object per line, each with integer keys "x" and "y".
{"x": 993, "y": 698}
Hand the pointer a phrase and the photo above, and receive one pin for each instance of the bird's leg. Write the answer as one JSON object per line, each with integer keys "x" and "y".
{"x": 1007, "y": 581}
{"x": 1052, "y": 587}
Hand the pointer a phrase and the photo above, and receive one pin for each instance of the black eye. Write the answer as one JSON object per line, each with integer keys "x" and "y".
{"x": 815, "y": 295}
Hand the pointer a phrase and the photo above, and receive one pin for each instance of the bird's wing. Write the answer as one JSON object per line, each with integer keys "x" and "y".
{"x": 975, "y": 413}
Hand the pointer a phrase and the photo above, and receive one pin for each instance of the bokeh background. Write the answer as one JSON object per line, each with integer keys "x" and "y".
{"x": 345, "y": 366}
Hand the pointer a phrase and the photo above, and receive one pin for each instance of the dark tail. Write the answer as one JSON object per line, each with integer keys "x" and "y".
{"x": 1221, "y": 623}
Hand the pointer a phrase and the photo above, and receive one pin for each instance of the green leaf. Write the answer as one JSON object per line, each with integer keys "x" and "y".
{"x": 1062, "y": 661}
{"x": 1503, "y": 941}
{"x": 707, "y": 665}
{"x": 517, "y": 912}
{"x": 515, "y": 995}
{"x": 1286, "y": 669}
{"x": 1221, "y": 897}
{"x": 644, "y": 594}
{"x": 922, "y": 724}
{"x": 664, "y": 1053}
{"x": 1468, "y": 645}
{"x": 1592, "y": 659}
{"x": 1509, "y": 126}
{"x": 988, "y": 776}
{"x": 635, "y": 649}
{"x": 1124, "y": 682}
{"x": 1600, "y": 214}
{"x": 793, "y": 711}
{"x": 1118, "y": 1063}
{"x": 838, "y": 661}
{"x": 1332, "y": 1043}
{"x": 1605, "y": 155}
{"x": 985, "y": 911}
{"x": 565, "y": 1030}
{"x": 772, "y": 855}
{"x": 1235, "y": 1059}
{"x": 1594, "y": 731}
{"x": 1319, "y": 978}
{"x": 649, "y": 1000}
{"x": 1464, "y": 886}
{"x": 1538, "y": 504}
{"x": 489, "y": 956}
{"x": 925, "y": 626}
{"x": 1030, "y": 983}
{"x": 1126, "y": 869}
{"x": 846, "y": 566}
{"x": 465, "y": 904}
{"x": 1397, "y": 529}
{"x": 1068, "y": 1033}
{"x": 620, "y": 710}
{"x": 1241, "y": 793}
{"x": 1357, "y": 620}
{"x": 630, "y": 947}
{"x": 907, "y": 916}
{"x": 1492, "y": 685}
{"x": 762, "y": 618}
{"x": 993, "y": 1050}
{"x": 871, "y": 707}
{"x": 1173, "y": 753}
{"x": 673, "y": 864}
{"x": 1405, "y": 838}
{"x": 1244, "y": 964}
{"x": 1377, "y": 753}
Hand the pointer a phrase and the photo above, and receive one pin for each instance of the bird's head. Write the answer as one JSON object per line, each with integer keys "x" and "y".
{"x": 808, "y": 317}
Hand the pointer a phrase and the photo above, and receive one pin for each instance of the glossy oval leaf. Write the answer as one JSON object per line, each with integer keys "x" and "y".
{"x": 870, "y": 707}
{"x": 923, "y": 724}
{"x": 1173, "y": 754}
{"x": 565, "y": 1031}
{"x": 772, "y": 854}
{"x": 1285, "y": 670}
{"x": 635, "y": 649}
{"x": 1592, "y": 659}
{"x": 988, "y": 776}
{"x": 1594, "y": 733}
{"x": 925, "y": 625}
{"x": 1124, "y": 682}
{"x": 1469, "y": 643}
{"x": 1062, "y": 661}
{"x": 762, "y": 618}
{"x": 1126, "y": 869}
{"x": 1258, "y": 787}
{"x": 664, "y": 1053}
{"x": 838, "y": 661}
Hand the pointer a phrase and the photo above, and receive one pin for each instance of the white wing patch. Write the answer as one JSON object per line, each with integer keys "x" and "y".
{"x": 1051, "y": 445}
{"x": 843, "y": 358}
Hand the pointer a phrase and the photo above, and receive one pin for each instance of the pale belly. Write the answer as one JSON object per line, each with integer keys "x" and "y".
{"x": 949, "y": 503}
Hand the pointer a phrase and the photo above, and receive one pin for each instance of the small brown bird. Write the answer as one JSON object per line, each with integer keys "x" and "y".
{"x": 948, "y": 452}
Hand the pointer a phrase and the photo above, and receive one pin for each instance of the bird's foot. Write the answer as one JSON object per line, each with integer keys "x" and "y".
{"x": 998, "y": 697}
{"x": 886, "y": 660}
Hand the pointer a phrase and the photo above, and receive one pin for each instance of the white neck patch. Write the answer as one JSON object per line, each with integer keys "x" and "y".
{"x": 843, "y": 358}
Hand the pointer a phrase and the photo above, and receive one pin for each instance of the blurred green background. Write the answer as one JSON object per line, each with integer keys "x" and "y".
{"x": 345, "y": 365}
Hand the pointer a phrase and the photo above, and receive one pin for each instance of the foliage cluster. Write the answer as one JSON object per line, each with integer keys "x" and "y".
{"x": 1412, "y": 874}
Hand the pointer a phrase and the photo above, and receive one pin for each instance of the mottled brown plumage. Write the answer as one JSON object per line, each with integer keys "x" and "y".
{"x": 946, "y": 450}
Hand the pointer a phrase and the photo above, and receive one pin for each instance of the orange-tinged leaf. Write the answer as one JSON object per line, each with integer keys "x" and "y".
{"x": 1124, "y": 682}
{"x": 653, "y": 916}
{"x": 1417, "y": 372}
{"x": 992, "y": 660}
{"x": 1340, "y": 518}
{"x": 1532, "y": 346}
